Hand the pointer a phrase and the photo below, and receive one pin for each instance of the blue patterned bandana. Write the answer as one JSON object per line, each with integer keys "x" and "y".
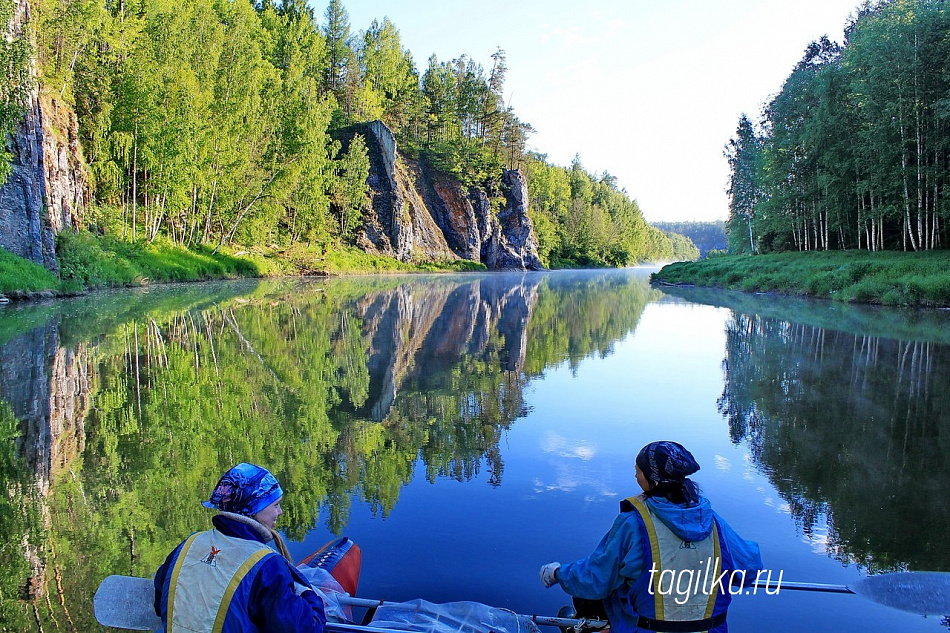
{"x": 666, "y": 462}
{"x": 245, "y": 489}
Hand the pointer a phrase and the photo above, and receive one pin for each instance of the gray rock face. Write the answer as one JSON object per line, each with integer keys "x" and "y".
{"x": 513, "y": 243}
{"x": 67, "y": 186}
{"x": 421, "y": 216}
{"x": 46, "y": 191}
{"x": 25, "y": 229}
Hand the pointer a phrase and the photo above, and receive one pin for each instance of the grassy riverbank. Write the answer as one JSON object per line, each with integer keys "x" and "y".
{"x": 89, "y": 262}
{"x": 888, "y": 278}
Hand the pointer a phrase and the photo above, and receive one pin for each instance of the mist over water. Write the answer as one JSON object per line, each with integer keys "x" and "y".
{"x": 466, "y": 429}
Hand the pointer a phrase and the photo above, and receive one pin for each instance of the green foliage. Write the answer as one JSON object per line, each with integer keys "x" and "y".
{"x": 683, "y": 247}
{"x": 15, "y": 82}
{"x": 852, "y": 152}
{"x": 921, "y": 279}
{"x": 585, "y": 221}
{"x": 707, "y": 236}
{"x": 390, "y": 79}
{"x": 351, "y": 260}
{"x": 351, "y": 198}
{"x": 209, "y": 123}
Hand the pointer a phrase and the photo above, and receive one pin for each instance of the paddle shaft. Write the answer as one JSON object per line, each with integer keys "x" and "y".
{"x": 803, "y": 586}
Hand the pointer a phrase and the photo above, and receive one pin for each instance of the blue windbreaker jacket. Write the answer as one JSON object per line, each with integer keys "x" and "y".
{"x": 611, "y": 572}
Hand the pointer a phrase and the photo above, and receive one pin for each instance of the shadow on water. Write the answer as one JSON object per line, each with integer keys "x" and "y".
{"x": 119, "y": 410}
{"x": 846, "y": 409}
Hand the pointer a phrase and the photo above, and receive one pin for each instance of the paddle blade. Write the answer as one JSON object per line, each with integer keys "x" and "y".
{"x": 921, "y": 592}
{"x": 125, "y": 602}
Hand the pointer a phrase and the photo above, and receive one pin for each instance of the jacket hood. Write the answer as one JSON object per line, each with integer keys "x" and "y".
{"x": 690, "y": 523}
{"x": 240, "y": 526}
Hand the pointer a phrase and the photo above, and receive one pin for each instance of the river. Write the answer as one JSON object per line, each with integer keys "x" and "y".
{"x": 464, "y": 430}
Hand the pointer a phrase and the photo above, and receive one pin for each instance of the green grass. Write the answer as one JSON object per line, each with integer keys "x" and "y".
{"x": 19, "y": 276}
{"x": 888, "y": 278}
{"x": 349, "y": 260}
{"x": 89, "y": 261}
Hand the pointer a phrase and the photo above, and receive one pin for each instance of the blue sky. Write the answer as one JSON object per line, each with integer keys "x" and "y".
{"x": 648, "y": 90}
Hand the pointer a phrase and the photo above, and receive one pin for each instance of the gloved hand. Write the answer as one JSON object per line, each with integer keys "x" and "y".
{"x": 549, "y": 574}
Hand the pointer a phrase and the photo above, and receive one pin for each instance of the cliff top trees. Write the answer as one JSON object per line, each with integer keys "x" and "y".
{"x": 15, "y": 82}
{"x": 336, "y": 31}
{"x": 390, "y": 73}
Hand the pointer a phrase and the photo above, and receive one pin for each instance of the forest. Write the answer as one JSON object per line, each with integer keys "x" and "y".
{"x": 211, "y": 123}
{"x": 854, "y": 150}
{"x": 707, "y": 236}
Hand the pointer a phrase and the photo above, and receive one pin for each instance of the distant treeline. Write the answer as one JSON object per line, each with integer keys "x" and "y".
{"x": 587, "y": 220}
{"x": 707, "y": 236}
{"x": 854, "y": 151}
{"x": 209, "y": 122}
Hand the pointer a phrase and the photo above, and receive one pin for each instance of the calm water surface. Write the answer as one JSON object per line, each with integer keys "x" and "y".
{"x": 465, "y": 430}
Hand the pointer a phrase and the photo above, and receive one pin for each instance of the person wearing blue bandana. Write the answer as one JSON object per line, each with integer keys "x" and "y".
{"x": 668, "y": 559}
{"x": 237, "y": 576}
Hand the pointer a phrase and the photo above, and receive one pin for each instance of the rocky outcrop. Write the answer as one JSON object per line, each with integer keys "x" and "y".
{"x": 47, "y": 190}
{"x": 420, "y": 215}
{"x": 512, "y": 242}
{"x": 67, "y": 184}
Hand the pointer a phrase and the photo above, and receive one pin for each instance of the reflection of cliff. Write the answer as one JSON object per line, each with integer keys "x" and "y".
{"x": 45, "y": 388}
{"x": 423, "y": 331}
{"x": 850, "y": 427}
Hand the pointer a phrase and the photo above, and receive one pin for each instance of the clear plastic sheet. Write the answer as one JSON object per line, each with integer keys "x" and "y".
{"x": 329, "y": 591}
{"x": 452, "y": 617}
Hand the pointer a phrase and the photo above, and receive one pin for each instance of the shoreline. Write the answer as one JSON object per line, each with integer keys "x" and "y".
{"x": 906, "y": 279}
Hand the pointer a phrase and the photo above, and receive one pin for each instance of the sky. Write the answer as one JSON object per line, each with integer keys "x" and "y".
{"x": 647, "y": 90}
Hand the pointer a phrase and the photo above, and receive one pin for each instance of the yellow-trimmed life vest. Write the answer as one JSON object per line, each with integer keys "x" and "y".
{"x": 206, "y": 574}
{"x": 689, "y": 561}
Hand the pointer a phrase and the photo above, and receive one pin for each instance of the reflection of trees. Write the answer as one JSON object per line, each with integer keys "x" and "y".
{"x": 849, "y": 427}
{"x": 340, "y": 387}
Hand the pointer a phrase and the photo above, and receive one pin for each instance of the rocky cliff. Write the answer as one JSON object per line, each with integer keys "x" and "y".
{"x": 47, "y": 190}
{"x": 421, "y": 215}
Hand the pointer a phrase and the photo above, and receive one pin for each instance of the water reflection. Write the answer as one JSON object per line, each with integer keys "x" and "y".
{"x": 852, "y": 427}
{"x": 118, "y": 410}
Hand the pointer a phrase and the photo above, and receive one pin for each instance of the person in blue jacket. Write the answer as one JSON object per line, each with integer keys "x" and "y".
{"x": 229, "y": 578}
{"x": 668, "y": 560}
